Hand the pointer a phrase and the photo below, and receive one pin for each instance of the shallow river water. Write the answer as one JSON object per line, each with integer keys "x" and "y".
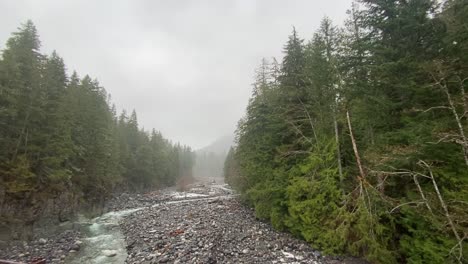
{"x": 103, "y": 242}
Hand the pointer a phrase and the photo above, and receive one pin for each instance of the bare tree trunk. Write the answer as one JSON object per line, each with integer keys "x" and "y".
{"x": 442, "y": 203}
{"x": 23, "y": 129}
{"x": 464, "y": 99}
{"x": 338, "y": 149}
{"x": 310, "y": 120}
{"x": 457, "y": 119}
{"x": 353, "y": 141}
{"x": 415, "y": 179}
{"x": 381, "y": 183}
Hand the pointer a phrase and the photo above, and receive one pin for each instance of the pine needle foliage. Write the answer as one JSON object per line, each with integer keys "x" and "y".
{"x": 357, "y": 141}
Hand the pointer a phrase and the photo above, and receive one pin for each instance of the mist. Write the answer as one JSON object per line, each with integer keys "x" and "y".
{"x": 186, "y": 67}
{"x": 203, "y": 131}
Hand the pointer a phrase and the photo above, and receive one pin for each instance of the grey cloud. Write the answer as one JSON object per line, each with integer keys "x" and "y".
{"x": 185, "y": 66}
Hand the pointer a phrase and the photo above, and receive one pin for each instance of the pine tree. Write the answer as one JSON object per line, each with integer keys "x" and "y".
{"x": 56, "y": 139}
{"x": 60, "y": 139}
{"x": 387, "y": 95}
{"x": 231, "y": 170}
{"x": 23, "y": 98}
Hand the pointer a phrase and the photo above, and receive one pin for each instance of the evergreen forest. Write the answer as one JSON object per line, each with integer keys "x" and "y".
{"x": 62, "y": 144}
{"x": 357, "y": 140}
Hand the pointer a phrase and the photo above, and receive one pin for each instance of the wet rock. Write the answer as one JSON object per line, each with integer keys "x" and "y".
{"x": 217, "y": 229}
{"x": 75, "y": 247}
{"x": 109, "y": 253}
{"x": 163, "y": 260}
{"x": 54, "y": 247}
{"x": 209, "y": 227}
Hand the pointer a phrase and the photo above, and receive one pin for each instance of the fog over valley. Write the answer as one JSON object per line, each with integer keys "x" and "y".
{"x": 233, "y": 131}
{"x": 186, "y": 67}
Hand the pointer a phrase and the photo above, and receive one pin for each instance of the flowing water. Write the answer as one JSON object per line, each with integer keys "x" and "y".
{"x": 103, "y": 242}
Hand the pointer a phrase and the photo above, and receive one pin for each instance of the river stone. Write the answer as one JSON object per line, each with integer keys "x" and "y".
{"x": 216, "y": 230}
{"x": 48, "y": 244}
{"x": 109, "y": 253}
{"x": 163, "y": 260}
{"x": 75, "y": 247}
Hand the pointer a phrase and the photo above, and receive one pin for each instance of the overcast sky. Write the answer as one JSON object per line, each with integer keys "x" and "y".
{"x": 185, "y": 66}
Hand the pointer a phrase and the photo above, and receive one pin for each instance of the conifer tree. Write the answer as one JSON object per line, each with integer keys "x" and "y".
{"x": 60, "y": 138}
{"x": 365, "y": 135}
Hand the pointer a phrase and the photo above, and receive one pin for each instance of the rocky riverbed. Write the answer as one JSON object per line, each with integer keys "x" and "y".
{"x": 211, "y": 228}
{"x": 53, "y": 248}
{"x": 204, "y": 224}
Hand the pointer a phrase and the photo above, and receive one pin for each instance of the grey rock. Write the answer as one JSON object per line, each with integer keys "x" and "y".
{"x": 109, "y": 253}
{"x": 75, "y": 247}
{"x": 215, "y": 230}
{"x": 163, "y": 260}
{"x": 317, "y": 254}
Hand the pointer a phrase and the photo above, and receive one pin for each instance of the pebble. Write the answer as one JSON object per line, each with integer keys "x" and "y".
{"x": 184, "y": 229}
{"x": 109, "y": 253}
{"x": 215, "y": 230}
{"x": 75, "y": 247}
{"x": 55, "y": 248}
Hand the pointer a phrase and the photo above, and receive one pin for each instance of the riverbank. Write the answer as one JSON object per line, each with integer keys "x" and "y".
{"x": 206, "y": 224}
{"x": 211, "y": 228}
{"x": 54, "y": 248}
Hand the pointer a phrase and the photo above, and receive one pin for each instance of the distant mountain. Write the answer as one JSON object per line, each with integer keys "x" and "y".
{"x": 219, "y": 146}
{"x": 209, "y": 161}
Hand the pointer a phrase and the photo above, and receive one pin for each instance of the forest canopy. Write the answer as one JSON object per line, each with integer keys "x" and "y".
{"x": 357, "y": 140}
{"x": 60, "y": 134}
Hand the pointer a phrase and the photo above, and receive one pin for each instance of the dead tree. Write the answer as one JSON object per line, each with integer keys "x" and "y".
{"x": 441, "y": 82}
{"x": 355, "y": 149}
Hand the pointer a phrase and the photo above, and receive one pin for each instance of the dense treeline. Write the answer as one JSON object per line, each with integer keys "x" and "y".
{"x": 59, "y": 134}
{"x": 357, "y": 141}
